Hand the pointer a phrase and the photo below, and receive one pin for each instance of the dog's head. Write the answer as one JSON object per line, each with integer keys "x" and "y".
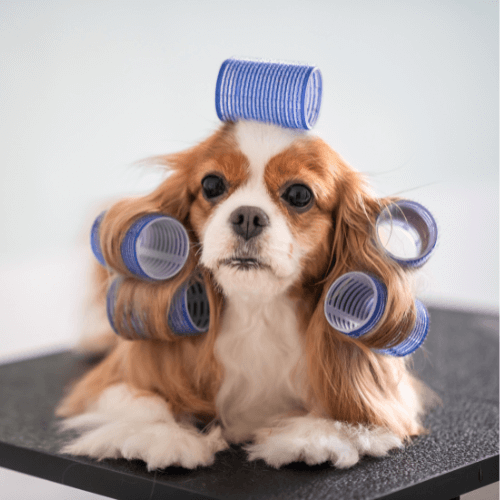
{"x": 273, "y": 211}
{"x": 262, "y": 208}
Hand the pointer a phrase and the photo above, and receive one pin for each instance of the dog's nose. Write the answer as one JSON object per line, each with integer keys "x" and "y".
{"x": 248, "y": 222}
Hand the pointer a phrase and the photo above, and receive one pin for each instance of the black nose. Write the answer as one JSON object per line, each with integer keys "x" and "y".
{"x": 248, "y": 222}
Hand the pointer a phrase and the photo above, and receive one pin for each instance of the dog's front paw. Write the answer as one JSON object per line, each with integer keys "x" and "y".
{"x": 123, "y": 426}
{"x": 159, "y": 444}
{"x": 318, "y": 440}
{"x": 375, "y": 441}
{"x": 304, "y": 439}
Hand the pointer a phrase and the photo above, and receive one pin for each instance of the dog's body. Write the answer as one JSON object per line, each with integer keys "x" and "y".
{"x": 276, "y": 216}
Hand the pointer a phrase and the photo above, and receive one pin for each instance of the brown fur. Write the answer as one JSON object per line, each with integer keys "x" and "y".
{"x": 347, "y": 380}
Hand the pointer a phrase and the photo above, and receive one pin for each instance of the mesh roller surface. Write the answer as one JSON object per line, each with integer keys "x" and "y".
{"x": 198, "y": 305}
{"x": 162, "y": 248}
{"x": 418, "y": 224}
{"x": 354, "y": 303}
{"x": 285, "y": 94}
{"x": 189, "y": 312}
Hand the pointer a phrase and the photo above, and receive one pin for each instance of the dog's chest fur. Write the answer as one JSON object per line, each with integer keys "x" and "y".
{"x": 259, "y": 347}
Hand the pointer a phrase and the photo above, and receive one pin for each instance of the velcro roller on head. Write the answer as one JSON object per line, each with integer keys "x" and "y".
{"x": 285, "y": 94}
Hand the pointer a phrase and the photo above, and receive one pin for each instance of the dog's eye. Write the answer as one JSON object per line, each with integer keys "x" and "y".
{"x": 213, "y": 186}
{"x": 298, "y": 196}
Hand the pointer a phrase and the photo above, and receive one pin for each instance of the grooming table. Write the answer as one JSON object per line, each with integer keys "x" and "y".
{"x": 459, "y": 361}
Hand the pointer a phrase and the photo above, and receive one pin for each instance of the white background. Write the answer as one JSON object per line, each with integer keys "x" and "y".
{"x": 88, "y": 88}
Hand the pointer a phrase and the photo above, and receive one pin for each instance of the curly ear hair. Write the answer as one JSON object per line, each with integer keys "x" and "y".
{"x": 172, "y": 197}
{"x": 183, "y": 370}
{"x": 349, "y": 380}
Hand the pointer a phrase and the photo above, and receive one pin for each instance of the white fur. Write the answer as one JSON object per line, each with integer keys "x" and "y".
{"x": 259, "y": 142}
{"x": 276, "y": 246}
{"x": 122, "y": 425}
{"x": 259, "y": 339}
{"x": 259, "y": 344}
{"x": 259, "y": 347}
{"x": 317, "y": 440}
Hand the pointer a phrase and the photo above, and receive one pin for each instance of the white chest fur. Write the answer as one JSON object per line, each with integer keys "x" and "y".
{"x": 259, "y": 347}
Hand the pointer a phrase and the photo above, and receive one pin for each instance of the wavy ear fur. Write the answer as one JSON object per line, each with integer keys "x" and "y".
{"x": 349, "y": 380}
{"x": 182, "y": 370}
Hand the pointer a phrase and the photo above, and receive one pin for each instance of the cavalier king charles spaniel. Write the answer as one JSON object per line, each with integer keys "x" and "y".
{"x": 274, "y": 216}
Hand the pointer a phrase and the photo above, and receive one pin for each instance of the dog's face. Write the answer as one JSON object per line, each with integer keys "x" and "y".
{"x": 270, "y": 211}
{"x": 262, "y": 208}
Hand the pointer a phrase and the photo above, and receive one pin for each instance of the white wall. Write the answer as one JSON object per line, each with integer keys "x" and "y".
{"x": 410, "y": 97}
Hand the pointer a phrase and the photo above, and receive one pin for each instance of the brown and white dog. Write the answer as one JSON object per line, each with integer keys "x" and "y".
{"x": 274, "y": 216}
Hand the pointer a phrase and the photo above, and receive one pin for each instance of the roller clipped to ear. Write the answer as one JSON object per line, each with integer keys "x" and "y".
{"x": 356, "y": 302}
{"x": 135, "y": 318}
{"x": 155, "y": 247}
{"x": 406, "y": 232}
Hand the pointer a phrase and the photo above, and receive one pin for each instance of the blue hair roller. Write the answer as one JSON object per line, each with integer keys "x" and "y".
{"x": 155, "y": 247}
{"x": 95, "y": 241}
{"x": 189, "y": 312}
{"x": 134, "y": 329}
{"x": 288, "y": 95}
{"x": 417, "y": 335}
{"x": 407, "y": 223}
{"x": 355, "y": 303}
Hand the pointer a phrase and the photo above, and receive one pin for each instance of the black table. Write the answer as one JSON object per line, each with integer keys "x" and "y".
{"x": 460, "y": 362}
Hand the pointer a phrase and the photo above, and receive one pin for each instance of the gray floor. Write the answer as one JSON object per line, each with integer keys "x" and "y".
{"x": 16, "y": 486}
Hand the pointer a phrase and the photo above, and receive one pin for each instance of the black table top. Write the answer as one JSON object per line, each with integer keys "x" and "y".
{"x": 459, "y": 361}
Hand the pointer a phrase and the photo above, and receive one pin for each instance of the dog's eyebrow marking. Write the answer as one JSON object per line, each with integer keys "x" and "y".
{"x": 259, "y": 142}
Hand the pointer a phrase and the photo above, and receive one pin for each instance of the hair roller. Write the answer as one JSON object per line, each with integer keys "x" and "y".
{"x": 407, "y": 233}
{"x": 188, "y": 315}
{"x": 155, "y": 246}
{"x": 355, "y": 303}
{"x": 288, "y": 95}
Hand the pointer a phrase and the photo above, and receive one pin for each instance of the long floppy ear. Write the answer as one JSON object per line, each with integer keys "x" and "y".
{"x": 173, "y": 197}
{"x": 349, "y": 380}
{"x": 182, "y": 369}
{"x": 355, "y": 249}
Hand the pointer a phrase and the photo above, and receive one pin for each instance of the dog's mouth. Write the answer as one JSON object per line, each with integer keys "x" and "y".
{"x": 244, "y": 263}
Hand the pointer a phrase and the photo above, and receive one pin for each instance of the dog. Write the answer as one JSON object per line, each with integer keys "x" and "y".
{"x": 275, "y": 216}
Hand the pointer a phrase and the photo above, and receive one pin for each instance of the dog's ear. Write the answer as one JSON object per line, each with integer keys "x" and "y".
{"x": 354, "y": 248}
{"x": 349, "y": 379}
{"x": 172, "y": 197}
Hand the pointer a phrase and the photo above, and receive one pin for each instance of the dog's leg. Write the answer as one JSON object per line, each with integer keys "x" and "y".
{"x": 122, "y": 424}
{"x": 317, "y": 440}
